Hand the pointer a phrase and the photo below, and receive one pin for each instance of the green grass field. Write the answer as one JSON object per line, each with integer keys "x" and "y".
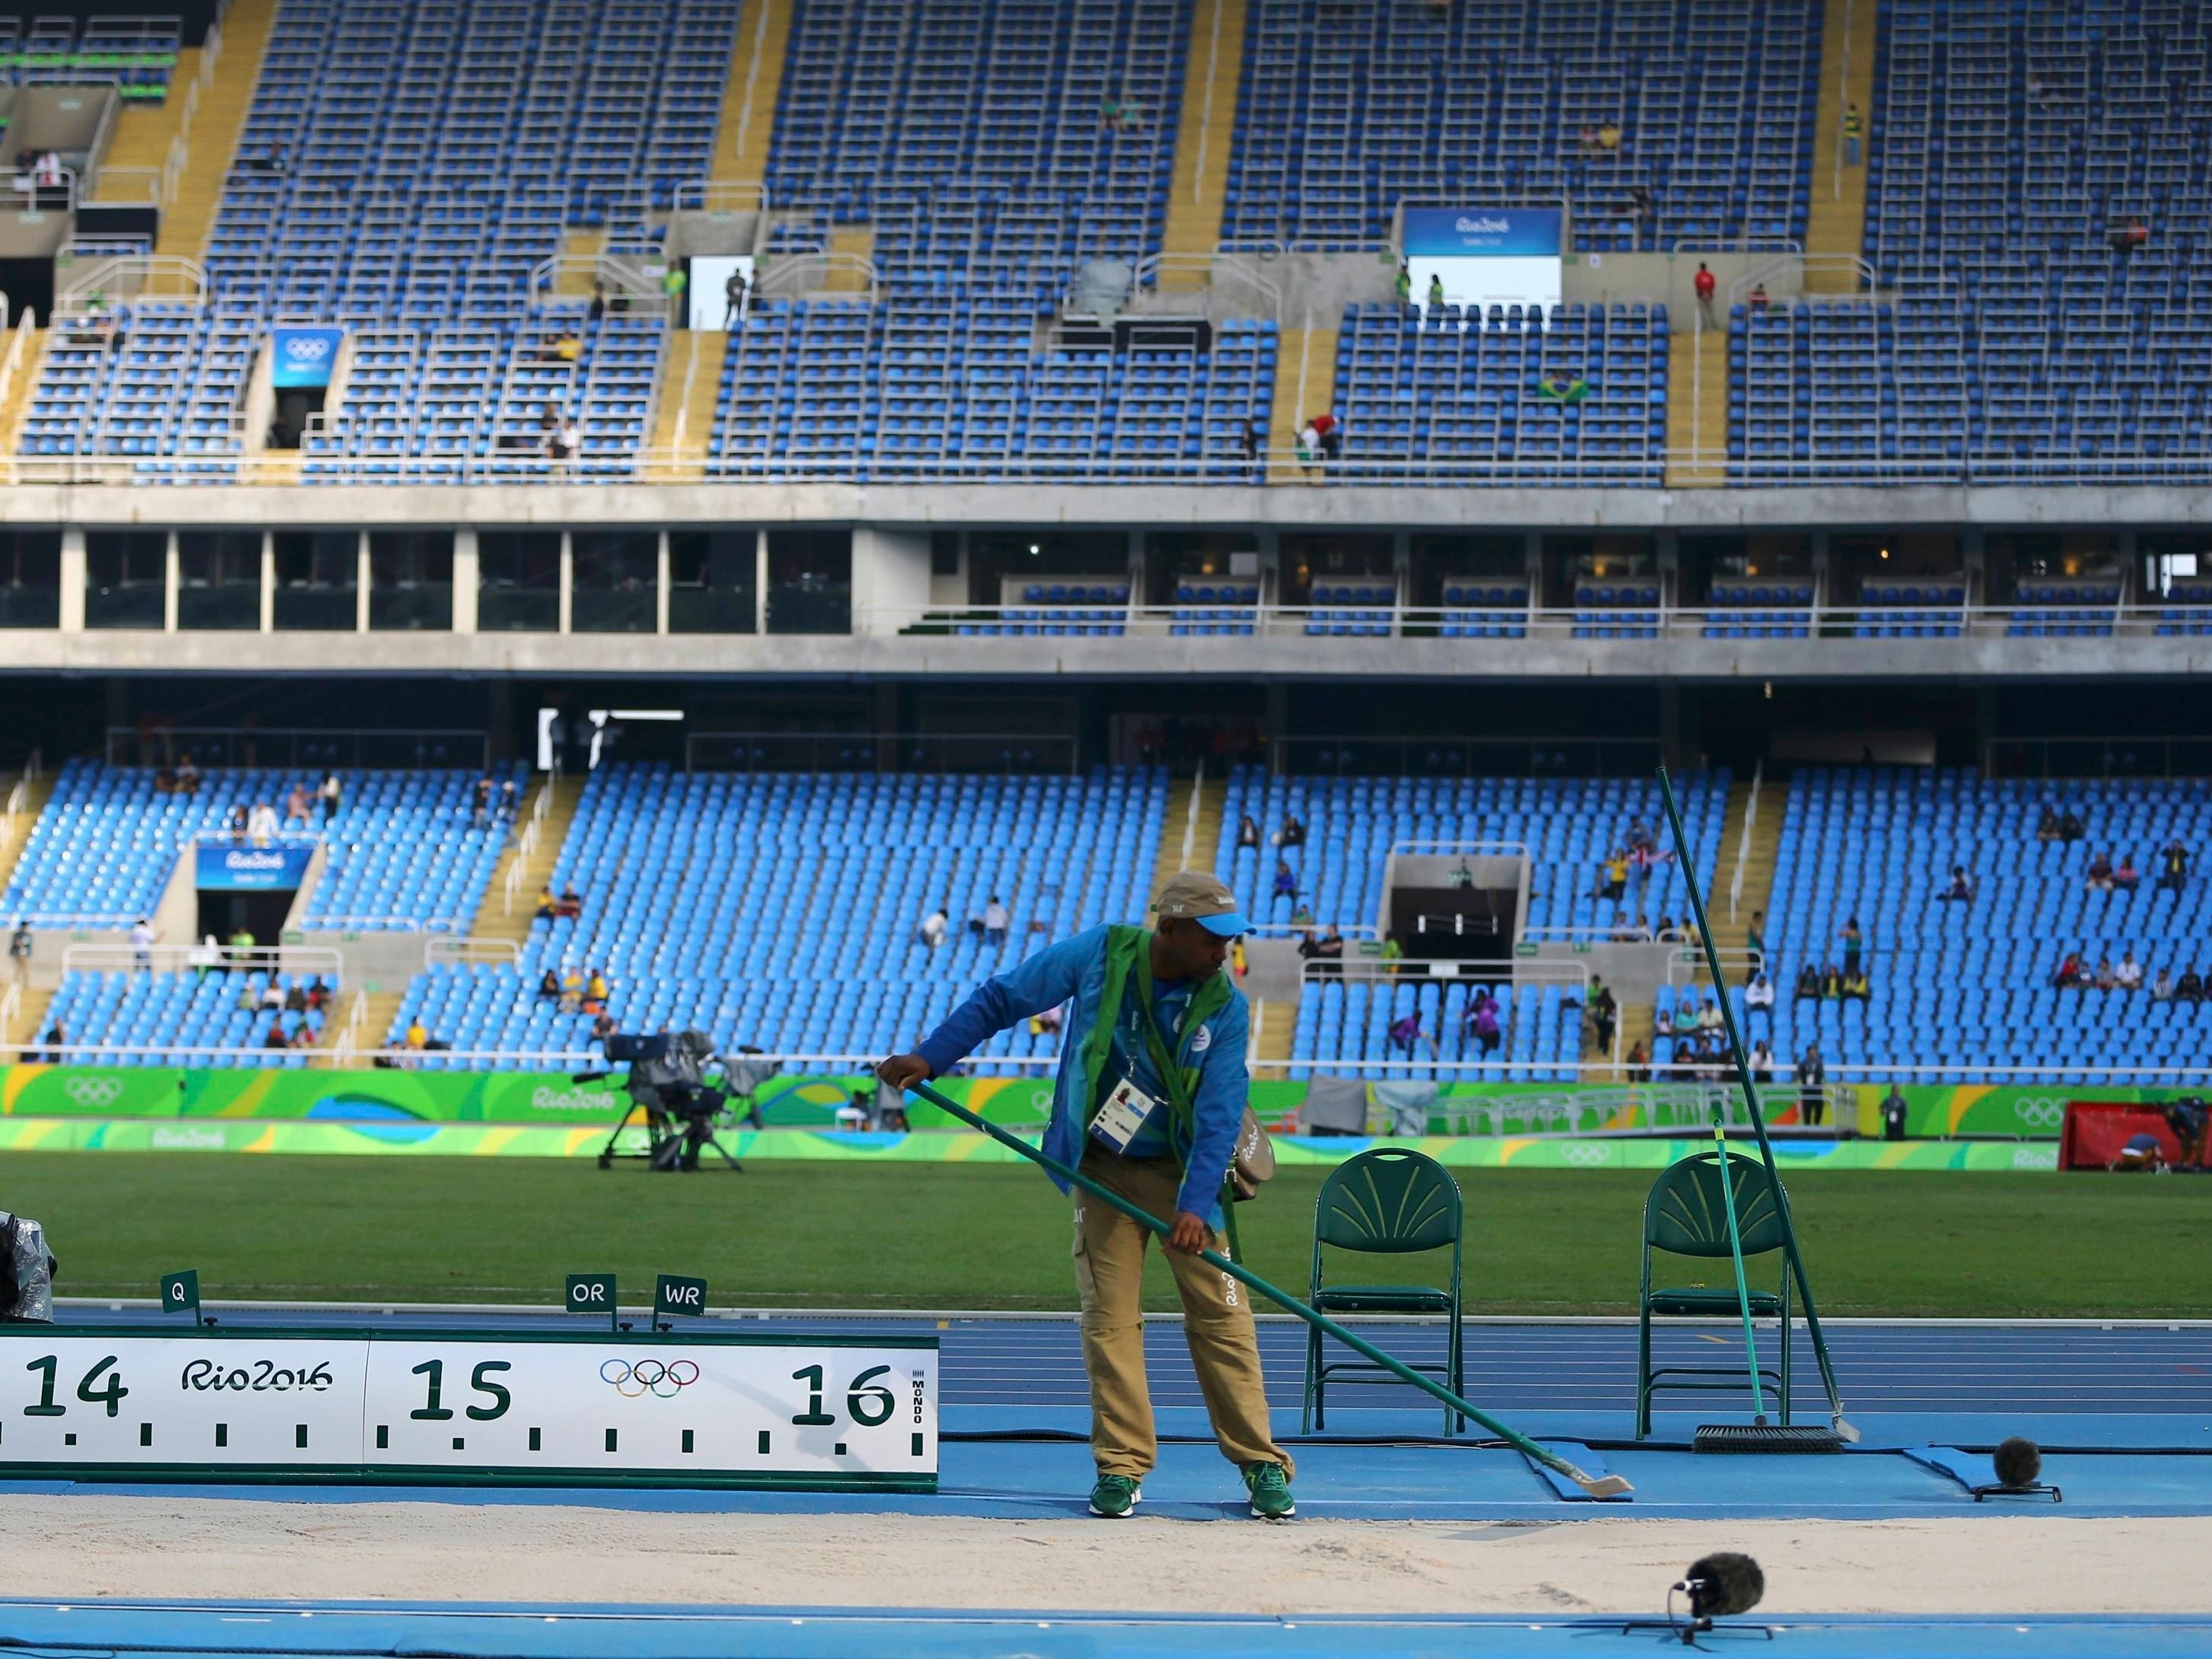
{"x": 985, "y": 1236}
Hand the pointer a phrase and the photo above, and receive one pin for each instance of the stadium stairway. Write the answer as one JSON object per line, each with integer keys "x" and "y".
{"x": 186, "y": 221}
{"x": 492, "y": 921}
{"x": 580, "y": 251}
{"x": 684, "y": 422}
{"x": 852, "y": 242}
{"x": 1205, "y": 139}
{"x": 17, "y": 403}
{"x": 1305, "y": 384}
{"x": 1193, "y": 814}
{"x": 748, "y": 118}
{"x": 1758, "y": 860}
{"x": 382, "y": 1007}
{"x": 1697, "y": 414}
{"x": 28, "y": 1018}
{"x": 1837, "y": 223}
{"x": 144, "y": 131}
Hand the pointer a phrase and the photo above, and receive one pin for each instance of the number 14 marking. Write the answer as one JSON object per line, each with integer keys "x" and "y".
{"x": 112, "y": 1396}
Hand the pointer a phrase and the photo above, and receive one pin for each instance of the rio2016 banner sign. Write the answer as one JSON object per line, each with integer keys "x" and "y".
{"x": 516, "y": 1408}
{"x": 221, "y": 868}
{"x": 1484, "y": 256}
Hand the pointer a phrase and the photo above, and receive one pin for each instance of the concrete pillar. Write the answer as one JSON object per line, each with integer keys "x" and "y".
{"x": 171, "y": 579}
{"x": 660, "y": 587}
{"x": 268, "y": 583}
{"x": 499, "y": 719}
{"x": 890, "y": 579}
{"x": 568, "y": 581}
{"x": 760, "y": 581}
{"x": 468, "y": 577}
{"x": 362, "y": 572}
{"x": 73, "y": 575}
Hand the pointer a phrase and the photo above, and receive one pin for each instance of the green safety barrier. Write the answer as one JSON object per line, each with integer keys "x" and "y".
{"x": 2032, "y": 1112}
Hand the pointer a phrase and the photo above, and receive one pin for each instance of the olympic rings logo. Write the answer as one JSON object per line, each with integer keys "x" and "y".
{"x": 94, "y": 1090}
{"x": 1583, "y": 1155}
{"x": 662, "y": 1382}
{"x": 2039, "y": 1114}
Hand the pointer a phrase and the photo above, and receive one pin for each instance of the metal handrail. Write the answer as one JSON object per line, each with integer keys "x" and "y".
{"x": 468, "y": 949}
{"x": 323, "y": 959}
{"x": 1743, "y": 843}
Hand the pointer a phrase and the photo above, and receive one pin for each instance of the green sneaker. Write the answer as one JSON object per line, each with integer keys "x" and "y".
{"x": 1115, "y": 1495}
{"x": 1270, "y": 1486}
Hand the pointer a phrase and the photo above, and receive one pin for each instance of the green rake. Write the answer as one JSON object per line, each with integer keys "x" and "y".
{"x": 1607, "y": 1485}
{"x": 1791, "y": 1254}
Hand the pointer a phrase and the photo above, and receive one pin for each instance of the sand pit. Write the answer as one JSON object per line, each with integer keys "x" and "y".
{"x": 86, "y": 1546}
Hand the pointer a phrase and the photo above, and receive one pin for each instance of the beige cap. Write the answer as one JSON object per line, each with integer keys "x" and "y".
{"x": 1199, "y": 896}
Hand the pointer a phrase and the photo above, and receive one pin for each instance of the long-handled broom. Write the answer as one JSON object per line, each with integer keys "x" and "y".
{"x": 1791, "y": 1254}
{"x": 1608, "y": 1485}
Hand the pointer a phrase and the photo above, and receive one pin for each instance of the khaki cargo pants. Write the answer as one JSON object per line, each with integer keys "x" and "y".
{"x": 1225, "y": 1345}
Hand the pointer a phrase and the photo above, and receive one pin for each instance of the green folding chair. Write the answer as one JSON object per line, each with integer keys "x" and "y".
{"x": 1687, "y": 1214}
{"x": 1389, "y": 1201}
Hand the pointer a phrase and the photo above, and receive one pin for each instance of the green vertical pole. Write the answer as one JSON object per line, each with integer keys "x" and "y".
{"x": 1794, "y": 1256}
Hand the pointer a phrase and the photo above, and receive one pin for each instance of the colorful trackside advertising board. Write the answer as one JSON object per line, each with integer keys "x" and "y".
{"x": 1484, "y": 256}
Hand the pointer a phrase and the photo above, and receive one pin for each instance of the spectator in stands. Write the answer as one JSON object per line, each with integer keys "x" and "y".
{"x": 2104, "y": 979}
{"x": 1608, "y": 141}
{"x": 1614, "y": 886}
{"x": 932, "y": 931}
{"x": 1403, "y": 284}
{"x": 2070, "y": 825}
{"x": 597, "y": 308}
{"x": 1812, "y": 1078}
{"x": 1832, "y": 984}
{"x": 2174, "y": 867}
{"x": 1330, "y": 431}
{"x": 1856, "y": 986}
{"x": 1436, "y": 291}
{"x": 240, "y": 945}
{"x": 1757, "y": 298}
{"x": 1668, "y": 933}
{"x": 1330, "y": 949}
{"x": 673, "y": 281}
{"x": 2098, "y": 877}
{"x": 1638, "y": 1062}
{"x": 1759, "y": 999}
{"x": 571, "y": 990}
{"x": 1248, "y": 832}
{"x": 562, "y": 348}
{"x": 1309, "y": 445}
{"x": 296, "y": 998}
{"x": 1894, "y": 1109}
{"x": 548, "y": 982}
{"x": 1854, "y": 132}
{"x": 56, "y": 1040}
{"x": 2125, "y": 878}
{"x": 275, "y": 1039}
{"x": 235, "y": 820}
{"x": 318, "y": 995}
{"x": 1109, "y": 113}
{"x": 1605, "y": 1015}
{"x": 2131, "y": 235}
{"x": 1625, "y": 931}
{"x": 332, "y": 791}
{"x": 296, "y": 809}
{"x": 21, "y": 944}
{"x": 572, "y": 902}
{"x": 1287, "y": 879}
{"x": 1642, "y": 210}
{"x": 1704, "y": 283}
{"x": 141, "y": 944}
{"x": 261, "y": 823}
{"x": 566, "y": 441}
{"x": 1239, "y": 963}
{"x": 480, "y": 805}
{"x": 1406, "y": 1031}
{"x": 1960, "y": 891}
{"x": 995, "y": 923}
{"x": 2161, "y": 989}
{"x": 2070, "y": 972}
{"x": 1854, "y": 943}
{"x": 2128, "y": 976}
{"x": 1754, "y": 944}
{"x": 1302, "y": 914}
{"x": 1588, "y": 140}
{"x": 548, "y": 906}
{"x": 1482, "y": 1023}
{"x": 188, "y": 776}
{"x": 1253, "y": 439}
{"x": 733, "y": 298}
{"x": 509, "y": 801}
{"x": 2046, "y": 823}
{"x": 595, "y": 992}
{"x": 418, "y": 1035}
{"x": 2189, "y": 987}
{"x": 1294, "y": 831}
{"x": 271, "y": 999}
{"x": 1761, "y": 1061}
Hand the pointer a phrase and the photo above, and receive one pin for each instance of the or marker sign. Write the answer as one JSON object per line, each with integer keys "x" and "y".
{"x": 180, "y": 1292}
{"x": 674, "y": 1295}
{"x": 591, "y": 1293}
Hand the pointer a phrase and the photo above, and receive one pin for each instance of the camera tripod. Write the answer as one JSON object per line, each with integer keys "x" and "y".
{"x": 676, "y": 1133}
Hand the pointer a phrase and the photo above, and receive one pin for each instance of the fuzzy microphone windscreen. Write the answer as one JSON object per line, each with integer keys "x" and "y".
{"x": 1724, "y": 1583}
{"x": 2019, "y": 1462}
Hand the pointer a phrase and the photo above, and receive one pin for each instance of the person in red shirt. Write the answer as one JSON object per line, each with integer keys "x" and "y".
{"x": 1705, "y": 285}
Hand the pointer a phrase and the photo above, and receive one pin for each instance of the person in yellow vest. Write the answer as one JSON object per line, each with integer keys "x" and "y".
{"x": 1854, "y": 133}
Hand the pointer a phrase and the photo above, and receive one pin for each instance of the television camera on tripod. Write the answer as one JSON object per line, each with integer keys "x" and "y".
{"x": 667, "y": 1082}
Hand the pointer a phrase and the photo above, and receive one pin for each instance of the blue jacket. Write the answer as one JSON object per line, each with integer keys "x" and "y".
{"x": 1075, "y": 969}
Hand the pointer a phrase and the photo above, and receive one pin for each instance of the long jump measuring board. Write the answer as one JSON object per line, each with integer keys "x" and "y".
{"x": 442, "y": 1408}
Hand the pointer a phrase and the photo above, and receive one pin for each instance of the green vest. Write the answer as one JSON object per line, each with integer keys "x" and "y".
{"x": 1129, "y": 956}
